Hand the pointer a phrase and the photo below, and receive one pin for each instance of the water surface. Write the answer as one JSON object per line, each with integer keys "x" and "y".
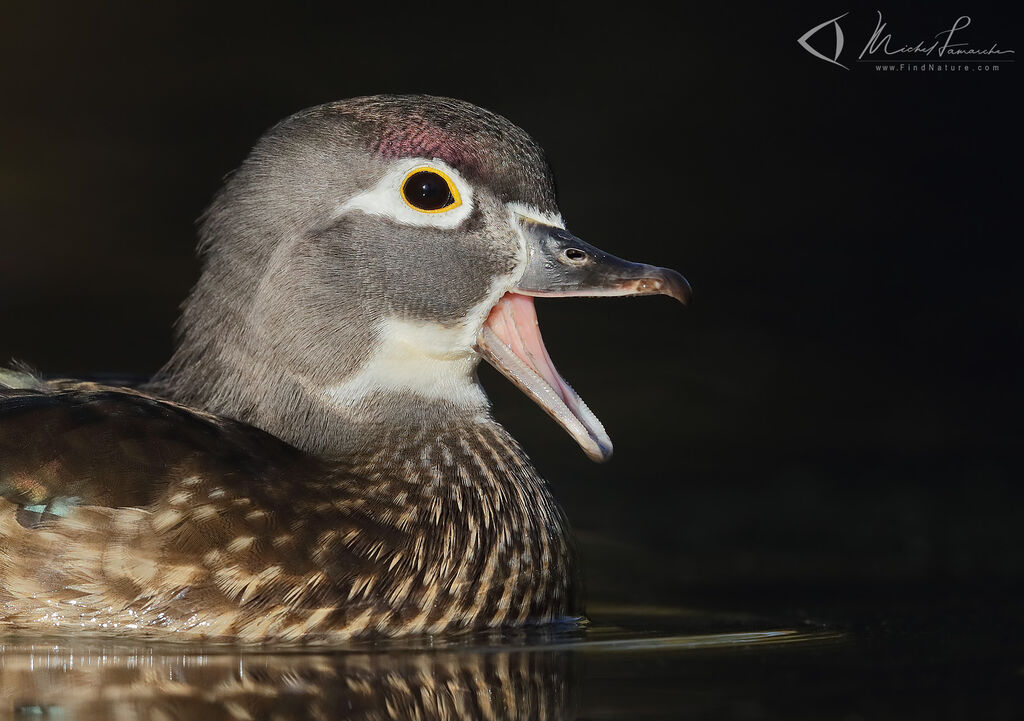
{"x": 890, "y": 652}
{"x": 564, "y": 673}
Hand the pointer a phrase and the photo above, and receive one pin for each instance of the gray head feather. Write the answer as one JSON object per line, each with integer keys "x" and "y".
{"x": 293, "y": 294}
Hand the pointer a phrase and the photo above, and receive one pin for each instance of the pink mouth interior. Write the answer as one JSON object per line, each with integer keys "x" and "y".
{"x": 510, "y": 340}
{"x": 514, "y": 321}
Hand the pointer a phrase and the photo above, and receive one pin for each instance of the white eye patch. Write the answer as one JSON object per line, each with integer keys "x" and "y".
{"x": 385, "y": 198}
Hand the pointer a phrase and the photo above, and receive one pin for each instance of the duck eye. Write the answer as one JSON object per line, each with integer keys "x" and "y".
{"x": 430, "y": 191}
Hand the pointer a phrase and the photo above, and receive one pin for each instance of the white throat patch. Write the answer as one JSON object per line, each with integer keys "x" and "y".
{"x": 405, "y": 361}
{"x": 431, "y": 360}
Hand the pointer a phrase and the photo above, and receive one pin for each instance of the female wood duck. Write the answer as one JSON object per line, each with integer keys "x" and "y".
{"x": 317, "y": 460}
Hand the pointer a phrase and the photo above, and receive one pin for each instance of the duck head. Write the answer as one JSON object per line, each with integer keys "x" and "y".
{"x": 363, "y": 260}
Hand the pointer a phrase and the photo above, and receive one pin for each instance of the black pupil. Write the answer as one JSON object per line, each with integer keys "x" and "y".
{"x": 427, "y": 191}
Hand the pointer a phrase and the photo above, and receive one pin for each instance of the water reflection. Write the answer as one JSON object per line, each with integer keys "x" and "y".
{"x": 527, "y": 676}
{"x": 101, "y": 683}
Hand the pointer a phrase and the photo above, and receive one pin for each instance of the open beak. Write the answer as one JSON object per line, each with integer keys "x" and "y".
{"x": 560, "y": 265}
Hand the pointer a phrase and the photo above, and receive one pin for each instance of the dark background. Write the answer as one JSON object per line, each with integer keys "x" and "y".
{"x": 839, "y": 407}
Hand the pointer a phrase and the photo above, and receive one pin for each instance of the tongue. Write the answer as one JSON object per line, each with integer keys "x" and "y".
{"x": 510, "y": 340}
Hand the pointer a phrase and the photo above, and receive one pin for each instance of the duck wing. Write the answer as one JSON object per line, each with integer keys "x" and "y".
{"x": 120, "y": 509}
{"x": 70, "y": 443}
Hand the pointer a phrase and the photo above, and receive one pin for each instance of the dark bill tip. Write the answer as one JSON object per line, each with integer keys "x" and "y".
{"x": 663, "y": 281}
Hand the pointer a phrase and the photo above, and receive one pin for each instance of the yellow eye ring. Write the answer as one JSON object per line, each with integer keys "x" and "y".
{"x": 428, "y": 190}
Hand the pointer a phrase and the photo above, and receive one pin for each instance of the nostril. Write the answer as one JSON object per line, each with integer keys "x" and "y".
{"x": 575, "y": 255}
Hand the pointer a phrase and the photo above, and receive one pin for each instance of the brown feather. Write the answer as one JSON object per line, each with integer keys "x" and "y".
{"x": 451, "y": 529}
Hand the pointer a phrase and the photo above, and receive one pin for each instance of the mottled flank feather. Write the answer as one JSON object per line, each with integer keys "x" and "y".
{"x": 223, "y": 532}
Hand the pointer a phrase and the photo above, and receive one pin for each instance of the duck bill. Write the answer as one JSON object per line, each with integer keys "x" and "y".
{"x": 562, "y": 265}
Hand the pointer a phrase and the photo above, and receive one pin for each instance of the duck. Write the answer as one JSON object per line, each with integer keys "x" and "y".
{"x": 317, "y": 462}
